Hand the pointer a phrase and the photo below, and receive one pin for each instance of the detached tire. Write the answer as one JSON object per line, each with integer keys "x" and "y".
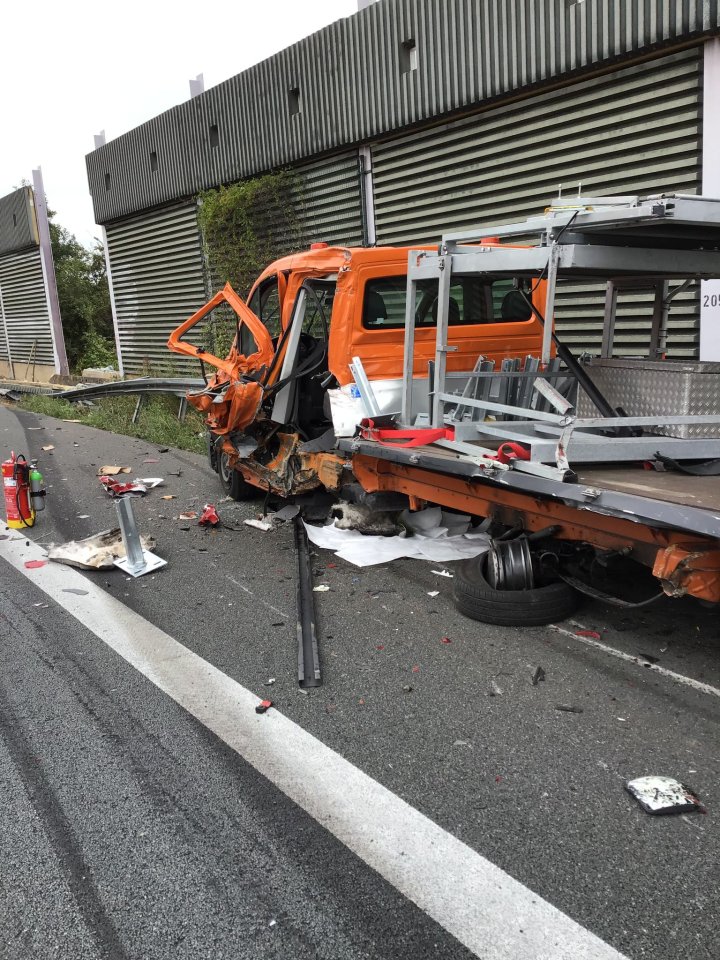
{"x": 536, "y": 607}
{"x": 233, "y": 483}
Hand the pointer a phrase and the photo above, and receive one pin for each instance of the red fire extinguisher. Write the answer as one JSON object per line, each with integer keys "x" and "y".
{"x": 19, "y": 499}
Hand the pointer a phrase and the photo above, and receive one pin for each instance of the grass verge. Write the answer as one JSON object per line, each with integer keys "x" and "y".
{"x": 157, "y": 422}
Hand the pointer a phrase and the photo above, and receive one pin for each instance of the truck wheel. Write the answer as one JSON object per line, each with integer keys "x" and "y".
{"x": 233, "y": 483}
{"x": 533, "y": 607}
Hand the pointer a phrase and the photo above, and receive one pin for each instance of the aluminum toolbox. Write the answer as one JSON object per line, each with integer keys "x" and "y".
{"x": 644, "y": 388}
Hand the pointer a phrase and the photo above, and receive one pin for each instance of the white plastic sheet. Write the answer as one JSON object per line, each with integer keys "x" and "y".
{"x": 432, "y": 535}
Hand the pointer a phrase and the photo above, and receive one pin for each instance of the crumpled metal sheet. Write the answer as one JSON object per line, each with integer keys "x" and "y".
{"x": 98, "y": 552}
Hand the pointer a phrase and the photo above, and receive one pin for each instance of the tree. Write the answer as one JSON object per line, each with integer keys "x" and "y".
{"x": 84, "y": 299}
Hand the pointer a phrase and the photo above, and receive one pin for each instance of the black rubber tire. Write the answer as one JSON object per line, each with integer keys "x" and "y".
{"x": 234, "y": 485}
{"x": 475, "y": 598}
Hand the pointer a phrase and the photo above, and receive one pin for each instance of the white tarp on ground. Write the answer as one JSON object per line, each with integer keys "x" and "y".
{"x": 436, "y": 536}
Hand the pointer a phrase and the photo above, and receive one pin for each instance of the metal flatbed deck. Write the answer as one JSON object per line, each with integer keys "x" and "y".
{"x": 674, "y": 501}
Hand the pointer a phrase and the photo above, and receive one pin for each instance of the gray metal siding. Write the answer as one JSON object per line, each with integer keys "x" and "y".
{"x": 352, "y": 87}
{"x": 18, "y": 228}
{"x": 158, "y": 281}
{"x": 332, "y": 200}
{"x": 26, "y": 310}
{"x": 635, "y": 130}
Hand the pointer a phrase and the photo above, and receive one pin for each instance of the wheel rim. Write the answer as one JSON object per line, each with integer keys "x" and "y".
{"x": 509, "y": 565}
{"x": 226, "y": 471}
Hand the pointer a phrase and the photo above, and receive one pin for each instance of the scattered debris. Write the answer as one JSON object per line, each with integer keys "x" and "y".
{"x": 495, "y": 689}
{"x": 288, "y": 512}
{"x": 83, "y": 516}
{"x": 76, "y": 591}
{"x": 433, "y": 593}
{"x": 98, "y": 552}
{"x": 407, "y": 688}
{"x": 164, "y": 450}
{"x": 64, "y": 421}
{"x": 366, "y": 520}
{"x": 169, "y": 496}
{"x": 116, "y": 489}
{"x": 263, "y": 706}
{"x": 429, "y": 534}
{"x": 188, "y": 515}
{"x": 443, "y": 573}
{"x": 538, "y": 676}
{"x": 112, "y": 471}
{"x": 416, "y": 669}
{"x": 49, "y": 446}
{"x": 568, "y": 708}
{"x": 269, "y": 682}
{"x": 264, "y": 525}
{"x": 209, "y": 517}
{"x": 151, "y": 460}
{"x": 593, "y": 634}
{"x": 445, "y": 640}
{"x": 658, "y": 795}
{"x": 321, "y": 588}
{"x": 150, "y": 482}
{"x": 34, "y": 564}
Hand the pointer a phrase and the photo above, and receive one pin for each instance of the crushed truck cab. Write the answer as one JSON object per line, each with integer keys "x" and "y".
{"x": 287, "y": 380}
{"x": 435, "y": 375}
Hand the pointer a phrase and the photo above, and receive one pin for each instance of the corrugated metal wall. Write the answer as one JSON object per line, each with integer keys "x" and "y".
{"x": 331, "y": 198}
{"x": 26, "y": 311}
{"x": 18, "y": 227}
{"x": 159, "y": 277}
{"x": 635, "y": 130}
{"x": 352, "y": 84}
{"x": 158, "y": 281}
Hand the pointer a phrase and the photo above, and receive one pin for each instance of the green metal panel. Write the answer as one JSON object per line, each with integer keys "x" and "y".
{"x": 635, "y": 130}
{"x": 159, "y": 275}
{"x": 26, "y": 310}
{"x": 332, "y": 206}
{"x": 158, "y": 281}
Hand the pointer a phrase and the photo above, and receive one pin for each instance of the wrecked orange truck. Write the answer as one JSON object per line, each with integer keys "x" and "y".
{"x": 414, "y": 376}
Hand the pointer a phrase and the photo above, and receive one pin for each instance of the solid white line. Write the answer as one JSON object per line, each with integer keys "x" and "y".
{"x": 638, "y": 661}
{"x": 488, "y": 911}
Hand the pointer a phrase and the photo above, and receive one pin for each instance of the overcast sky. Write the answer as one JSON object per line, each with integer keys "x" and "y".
{"x": 72, "y": 68}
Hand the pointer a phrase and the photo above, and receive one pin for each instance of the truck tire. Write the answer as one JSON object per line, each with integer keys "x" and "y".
{"x": 234, "y": 485}
{"x": 536, "y": 607}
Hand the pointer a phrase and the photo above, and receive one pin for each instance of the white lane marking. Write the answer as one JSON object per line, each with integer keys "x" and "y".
{"x": 637, "y": 660}
{"x": 259, "y": 600}
{"x": 488, "y": 911}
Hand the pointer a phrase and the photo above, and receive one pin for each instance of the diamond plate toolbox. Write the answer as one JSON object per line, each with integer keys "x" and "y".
{"x": 646, "y": 388}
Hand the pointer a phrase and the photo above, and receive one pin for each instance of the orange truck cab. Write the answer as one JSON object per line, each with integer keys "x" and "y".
{"x": 287, "y": 381}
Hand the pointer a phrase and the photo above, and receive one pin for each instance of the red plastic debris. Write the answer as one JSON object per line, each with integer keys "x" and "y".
{"x": 331, "y": 566}
{"x": 34, "y": 564}
{"x": 498, "y": 779}
{"x": 380, "y": 646}
{"x": 416, "y": 669}
{"x": 117, "y": 489}
{"x": 209, "y": 517}
{"x": 263, "y": 706}
{"x": 446, "y": 640}
{"x": 593, "y": 634}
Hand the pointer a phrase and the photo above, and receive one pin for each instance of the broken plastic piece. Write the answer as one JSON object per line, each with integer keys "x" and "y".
{"x": 117, "y": 489}
{"x": 263, "y": 706}
{"x": 264, "y": 525}
{"x": 659, "y": 795}
{"x": 112, "y": 471}
{"x": 288, "y": 512}
{"x": 321, "y": 588}
{"x": 446, "y": 640}
{"x": 568, "y": 708}
{"x": 209, "y": 517}
{"x": 34, "y": 564}
{"x": 538, "y": 676}
{"x": 593, "y": 634}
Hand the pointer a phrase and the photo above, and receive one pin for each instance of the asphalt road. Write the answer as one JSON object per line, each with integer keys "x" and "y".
{"x": 130, "y": 830}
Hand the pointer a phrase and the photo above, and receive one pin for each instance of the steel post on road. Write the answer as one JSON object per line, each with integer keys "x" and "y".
{"x": 136, "y": 561}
